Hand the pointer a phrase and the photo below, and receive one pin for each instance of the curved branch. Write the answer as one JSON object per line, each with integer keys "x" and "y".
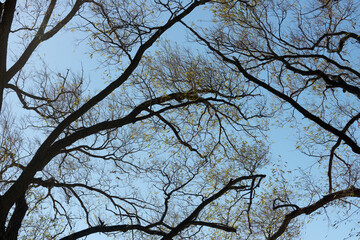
{"x": 214, "y": 225}
{"x": 343, "y": 40}
{"x": 352, "y": 144}
{"x": 187, "y": 221}
{"x": 132, "y": 117}
{"x": 107, "y": 229}
{"x": 7, "y": 11}
{"x": 41, "y": 157}
{"x": 16, "y": 219}
{"x": 337, "y": 144}
{"x": 41, "y": 36}
{"x": 351, "y": 192}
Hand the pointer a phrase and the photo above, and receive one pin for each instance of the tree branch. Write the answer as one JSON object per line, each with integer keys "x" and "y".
{"x": 108, "y": 229}
{"x": 351, "y": 192}
{"x": 41, "y": 157}
{"x": 187, "y": 221}
{"x": 354, "y": 146}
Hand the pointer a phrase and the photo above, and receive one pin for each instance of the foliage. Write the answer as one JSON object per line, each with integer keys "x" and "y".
{"x": 304, "y": 54}
{"x": 175, "y": 146}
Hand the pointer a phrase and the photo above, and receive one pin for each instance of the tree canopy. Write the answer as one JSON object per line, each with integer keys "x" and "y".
{"x": 176, "y": 144}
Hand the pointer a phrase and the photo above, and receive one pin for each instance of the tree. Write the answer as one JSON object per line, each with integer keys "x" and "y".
{"x": 303, "y": 53}
{"x": 167, "y": 149}
{"x": 175, "y": 146}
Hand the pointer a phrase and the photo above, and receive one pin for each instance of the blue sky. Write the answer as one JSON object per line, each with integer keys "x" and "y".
{"x": 62, "y": 53}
